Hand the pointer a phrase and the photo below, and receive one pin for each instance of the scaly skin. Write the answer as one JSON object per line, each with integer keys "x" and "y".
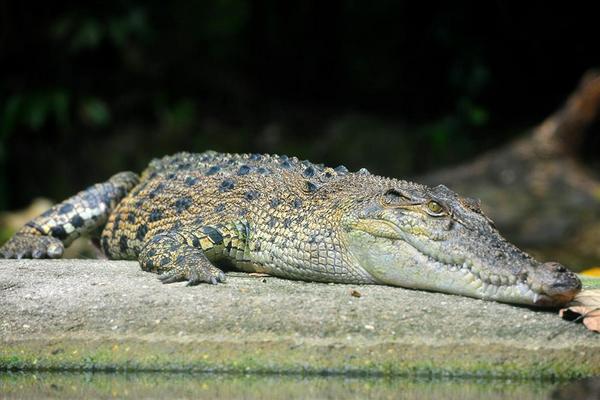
{"x": 192, "y": 214}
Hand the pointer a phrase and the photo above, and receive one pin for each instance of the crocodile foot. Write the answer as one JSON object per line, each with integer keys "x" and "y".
{"x": 194, "y": 272}
{"x": 32, "y": 246}
{"x": 174, "y": 260}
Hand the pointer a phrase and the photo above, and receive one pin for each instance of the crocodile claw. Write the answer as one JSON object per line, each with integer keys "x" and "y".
{"x": 32, "y": 246}
{"x": 193, "y": 275}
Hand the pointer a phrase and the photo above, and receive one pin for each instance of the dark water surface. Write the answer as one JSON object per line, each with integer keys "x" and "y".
{"x": 183, "y": 386}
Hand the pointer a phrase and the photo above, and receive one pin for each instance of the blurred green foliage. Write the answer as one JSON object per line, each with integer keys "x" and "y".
{"x": 394, "y": 86}
{"x": 34, "y": 110}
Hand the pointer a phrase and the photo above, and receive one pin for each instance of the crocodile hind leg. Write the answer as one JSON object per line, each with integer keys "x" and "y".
{"x": 48, "y": 234}
{"x": 189, "y": 255}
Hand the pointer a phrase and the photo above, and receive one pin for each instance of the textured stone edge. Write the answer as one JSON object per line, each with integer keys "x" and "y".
{"x": 289, "y": 357}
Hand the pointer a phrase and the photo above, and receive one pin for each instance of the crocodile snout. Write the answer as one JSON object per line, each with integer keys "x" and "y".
{"x": 557, "y": 282}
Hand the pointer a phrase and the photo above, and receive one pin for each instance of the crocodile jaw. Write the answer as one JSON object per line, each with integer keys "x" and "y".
{"x": 398, "y": 263}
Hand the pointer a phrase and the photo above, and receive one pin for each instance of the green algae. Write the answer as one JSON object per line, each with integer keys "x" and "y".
{"x": 287, "y": 358}
{"x": 589, "y": 282}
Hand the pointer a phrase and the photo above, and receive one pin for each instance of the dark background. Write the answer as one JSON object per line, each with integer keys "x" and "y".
{"x": 398, "y": 87}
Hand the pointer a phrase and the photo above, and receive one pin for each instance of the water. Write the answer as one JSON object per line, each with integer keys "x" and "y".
{"x": 210, "y": 386}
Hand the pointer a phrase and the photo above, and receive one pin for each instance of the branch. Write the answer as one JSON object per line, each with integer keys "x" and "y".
{"x": 563, "y": 131}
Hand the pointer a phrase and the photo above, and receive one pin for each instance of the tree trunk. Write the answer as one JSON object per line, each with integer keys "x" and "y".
{"x": 536, "y": 189}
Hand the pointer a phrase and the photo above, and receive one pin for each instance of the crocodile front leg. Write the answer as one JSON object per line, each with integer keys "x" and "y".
{"x": 84, "y": 213}
{"x": 179, "y": 255}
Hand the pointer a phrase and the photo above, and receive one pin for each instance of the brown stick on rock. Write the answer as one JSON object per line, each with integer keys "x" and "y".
{"x": 536, "y": 189}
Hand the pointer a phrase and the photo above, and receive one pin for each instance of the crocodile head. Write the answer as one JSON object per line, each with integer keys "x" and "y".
{"x": 428, "y": 238}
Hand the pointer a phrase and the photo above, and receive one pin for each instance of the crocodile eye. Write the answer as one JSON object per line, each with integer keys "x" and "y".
{"x": 435, "y": 208}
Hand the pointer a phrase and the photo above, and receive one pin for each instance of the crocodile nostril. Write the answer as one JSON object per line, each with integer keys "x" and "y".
{"x": 554, "y": 266}
{"x": 523, "y": 275}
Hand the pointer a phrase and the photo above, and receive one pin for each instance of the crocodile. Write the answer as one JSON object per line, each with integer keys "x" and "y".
{"x": 190, "y": 217}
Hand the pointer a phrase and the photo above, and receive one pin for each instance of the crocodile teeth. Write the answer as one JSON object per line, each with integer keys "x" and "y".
{"x": 476, "y": 283}
{"x": 495, "y": 279}
{"x": 484, "y": 276}
{"x": 523, "y": 289}
{"x": 536, "y": 287}
{"x": 491, "y": 290}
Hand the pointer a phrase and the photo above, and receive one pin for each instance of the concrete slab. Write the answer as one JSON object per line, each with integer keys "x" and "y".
{"x": 110, "y": 315}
